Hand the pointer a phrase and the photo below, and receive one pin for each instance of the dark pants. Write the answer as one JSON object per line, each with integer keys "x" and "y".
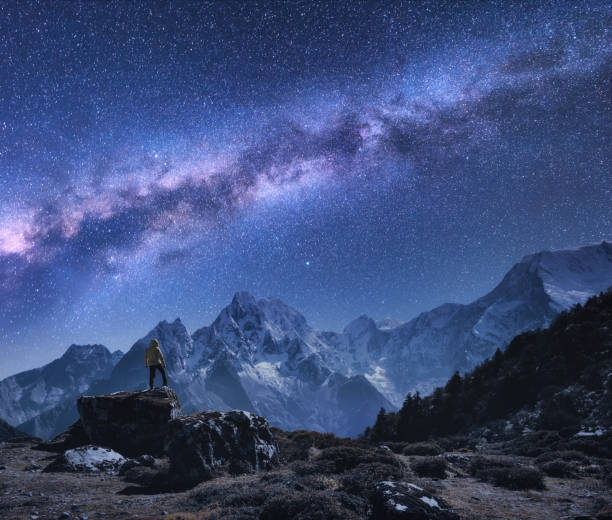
{"x": 152, "y": 369}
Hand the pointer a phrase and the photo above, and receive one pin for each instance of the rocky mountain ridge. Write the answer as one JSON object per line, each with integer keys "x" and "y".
{"x": 262, "y": 356}
{"x": 28, "y": 394}
{"x": 557, "y": 379}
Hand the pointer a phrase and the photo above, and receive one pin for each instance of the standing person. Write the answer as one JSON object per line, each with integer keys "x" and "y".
{"x": 154, "y": 359}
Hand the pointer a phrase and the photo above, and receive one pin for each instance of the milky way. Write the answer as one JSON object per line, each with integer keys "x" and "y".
{"x": 347, "y": 158}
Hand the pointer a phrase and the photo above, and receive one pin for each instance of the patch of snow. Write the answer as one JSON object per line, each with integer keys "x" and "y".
{"x": 414, "y": 486}
{"x": 597, "y": 433}
{"x": 378, "y": 378}
{"x": 431, "y": 502}
{"x": 93, "y": 458}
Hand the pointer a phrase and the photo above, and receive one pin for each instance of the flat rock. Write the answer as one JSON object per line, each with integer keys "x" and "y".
{"x": 90, "y": 459}
{"x": 132, "y": 423}
{"x": 201, "y": 443}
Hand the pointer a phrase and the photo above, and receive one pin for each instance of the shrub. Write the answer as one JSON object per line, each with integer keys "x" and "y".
{"x": 456, "y": 442}
{"x": 317, "y": 505}
{"x": 362, "y": 480}
{"x": 504, "y": 473}
{"x": 559, "y": 468}
{"x": 518, "y": 477}
{"x": 533, "y": 444}
{"x": 422, "y": 448}
{"x": 295, "y": 445}
{"x": 606, "y": 474}
{"x": 434, "y": 467}
{"x": 537, "y": 443}
{"x": 227, "y": 495}
{"x": 565, "y": 455}
{"x": 303, "y": 468}
{"x": 596, "y": 445}
{"x": 343, "y": 458}
{"x": 396, "y": 447}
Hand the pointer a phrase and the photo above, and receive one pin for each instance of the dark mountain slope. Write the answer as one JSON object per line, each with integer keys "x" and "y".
{"x": 559, "y": 378}
{"x": 9, "y": 432}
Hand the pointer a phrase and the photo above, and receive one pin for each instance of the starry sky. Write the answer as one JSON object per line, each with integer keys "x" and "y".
{"x": 347, "y": 157}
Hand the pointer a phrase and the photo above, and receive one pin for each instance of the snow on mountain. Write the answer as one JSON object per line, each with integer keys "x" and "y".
{"x": 263, "y": 356}
{"x": 257, "y": 355}
{"x": 388, "y": 323}
{"x": 573, "y": 275}
{"x": 425, "y": 351}
{"x": 27, "y": 394}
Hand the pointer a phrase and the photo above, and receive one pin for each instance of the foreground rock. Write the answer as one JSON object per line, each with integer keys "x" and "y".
{"x": 201, "y": 443}
{"x": 132, "y": 423}
{"x": 146, "y": 471}
{"x": 405, "y": 501}
{"x": 89, "y": 459}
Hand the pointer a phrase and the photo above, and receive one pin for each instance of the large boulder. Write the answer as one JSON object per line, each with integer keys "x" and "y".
{"x": 200, "y": 444}
{"x": 405, "y": 501}
{"x": 132, "y": 423}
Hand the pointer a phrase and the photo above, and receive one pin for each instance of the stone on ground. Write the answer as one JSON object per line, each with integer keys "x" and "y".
{"x": 396, "y": 500}
{"x": 89, "y": 459}
{"x": 200, "y": 443}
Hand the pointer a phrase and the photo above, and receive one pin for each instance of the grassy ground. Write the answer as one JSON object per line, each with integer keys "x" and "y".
{"x": 329, "y": 479}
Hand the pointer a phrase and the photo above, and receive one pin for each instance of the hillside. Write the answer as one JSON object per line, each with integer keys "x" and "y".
{"x": 559, "y": 378}
{"x": 9, "y": 432}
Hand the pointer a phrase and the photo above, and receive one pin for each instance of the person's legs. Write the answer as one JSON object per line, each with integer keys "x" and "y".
{"x": 163, "y": 373}
{"x": 151, "y": 377}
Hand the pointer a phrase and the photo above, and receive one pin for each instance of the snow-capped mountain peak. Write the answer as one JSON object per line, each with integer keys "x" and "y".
{"x": 360, "y": 326}
{"x": 388, "y": 323}
{"x": 252, "y": 327}
{"x": 262, "y": 355}
{"x": 571, "y": 276}
{"x": 83, "y": 353}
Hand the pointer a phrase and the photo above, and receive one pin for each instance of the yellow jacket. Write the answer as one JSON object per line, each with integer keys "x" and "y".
{"x": 153, "y": 355}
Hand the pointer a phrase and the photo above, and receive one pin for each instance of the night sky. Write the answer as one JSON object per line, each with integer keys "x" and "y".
{"x": 347, "y": 158}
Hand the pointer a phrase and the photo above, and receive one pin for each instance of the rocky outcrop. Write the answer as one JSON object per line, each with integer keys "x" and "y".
{"x": 89, "y": 459}
{"x": 405, "y": 501}
{"x": 200, "y": 444}
{"x": 149, "y": 424}
{"x": 132, "y": 423}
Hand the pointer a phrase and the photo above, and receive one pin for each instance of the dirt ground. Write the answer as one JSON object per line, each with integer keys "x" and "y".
{"x": 27, "y": 493}
{"x": 561, "y": 498}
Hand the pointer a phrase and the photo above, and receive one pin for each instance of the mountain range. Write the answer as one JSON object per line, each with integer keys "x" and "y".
{"x": 263, "y": 356}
